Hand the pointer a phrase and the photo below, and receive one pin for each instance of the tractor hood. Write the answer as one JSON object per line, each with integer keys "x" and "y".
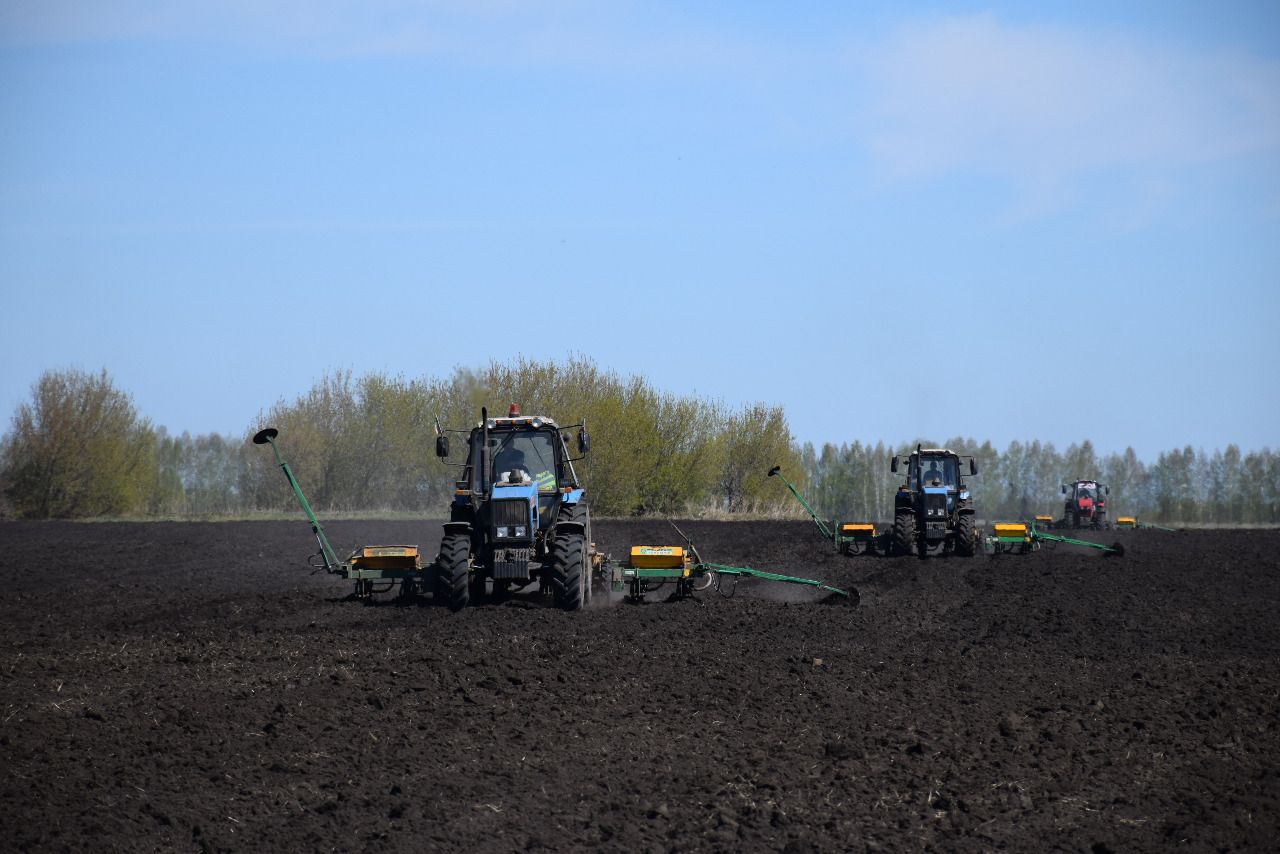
{"x": 527, "y": 491}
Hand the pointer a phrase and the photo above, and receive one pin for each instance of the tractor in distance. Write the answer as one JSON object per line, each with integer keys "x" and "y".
{"x": 1085, "y": 505}
{"x": 933, "y": 509}
{"x": 518, "y": 514}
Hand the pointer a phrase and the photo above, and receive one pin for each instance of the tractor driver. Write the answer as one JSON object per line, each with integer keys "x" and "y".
{"x": 510, "y": 466}
{"x": 933, "y": 477}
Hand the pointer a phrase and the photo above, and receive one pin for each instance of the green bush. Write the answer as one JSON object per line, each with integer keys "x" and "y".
{"x": 79, "y": 449}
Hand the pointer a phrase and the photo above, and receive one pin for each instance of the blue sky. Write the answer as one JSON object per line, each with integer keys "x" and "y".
{"x": 1010, "y": 221}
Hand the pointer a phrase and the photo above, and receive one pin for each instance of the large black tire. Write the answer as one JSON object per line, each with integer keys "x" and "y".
{"x": 569, "y": 576}
{"x": 580, "y": 513}
{"x": 575, "y": 513}
{"x": 455, "y": 560}
{"x": 965, "y": 536}
{"x": 903, "y": 538}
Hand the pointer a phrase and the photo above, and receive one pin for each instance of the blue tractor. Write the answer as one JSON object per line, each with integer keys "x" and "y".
{"x": 933, "y": 509}
{"x": 518, "y": 515}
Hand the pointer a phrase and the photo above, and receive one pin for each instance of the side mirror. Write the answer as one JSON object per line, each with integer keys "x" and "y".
{"x": 774, "y": 470}
{"x": 1064, "y": 489}
{"x": 584, "y": 441}
{"x": 442, "y": 446}
{"x": 893, "y": 464}
{"x": 1107, "y": 490}
{"x": 973, "y": 466}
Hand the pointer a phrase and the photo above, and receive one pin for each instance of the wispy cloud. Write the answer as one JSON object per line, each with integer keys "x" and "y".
{"x": 1048, "y": 106}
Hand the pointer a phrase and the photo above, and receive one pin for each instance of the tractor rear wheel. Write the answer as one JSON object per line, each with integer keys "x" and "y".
{"x": 904, "y": 534}
{"x": 455, "y": 563}
{"x": 568, "y": 571}
{"x": 964, "y": 535}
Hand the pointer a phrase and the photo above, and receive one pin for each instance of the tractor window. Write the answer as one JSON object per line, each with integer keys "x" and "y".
{"x": 942, "y": 470}
{"x": 532, "y": 453}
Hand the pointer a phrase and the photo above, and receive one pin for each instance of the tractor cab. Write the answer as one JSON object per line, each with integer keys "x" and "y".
{"x": 519, "y": 457}
{"x": 935, "y": 470}
{"x": 522, "y": 459}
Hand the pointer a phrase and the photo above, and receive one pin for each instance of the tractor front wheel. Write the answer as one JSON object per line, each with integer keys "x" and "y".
{"x": 964, "y": 535}
{"x": 904, "y": 534}
{"x": 568, "y": 571}
{"x": 580, "y": 514}
{"x": 455, "y": 565}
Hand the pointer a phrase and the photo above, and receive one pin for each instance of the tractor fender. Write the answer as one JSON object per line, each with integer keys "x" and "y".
{"x": 573, "y": 497}
{"x": 567, "y": 527}
{"x": 457, "y": 528}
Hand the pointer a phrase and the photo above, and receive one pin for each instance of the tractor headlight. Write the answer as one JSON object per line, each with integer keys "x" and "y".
{"x": 502, "y": 532}
{"x": 519, "y": 531}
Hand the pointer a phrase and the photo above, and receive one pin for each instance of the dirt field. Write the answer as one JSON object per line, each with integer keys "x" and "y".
{"x": 187, "y": 687}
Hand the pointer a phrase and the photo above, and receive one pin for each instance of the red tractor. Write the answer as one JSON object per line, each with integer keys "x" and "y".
{"x": 1086, "y": 505}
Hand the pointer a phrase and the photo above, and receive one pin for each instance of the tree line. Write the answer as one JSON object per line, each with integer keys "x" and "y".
{"x": 366, "y": 444}
{"x": 79, "y": 448}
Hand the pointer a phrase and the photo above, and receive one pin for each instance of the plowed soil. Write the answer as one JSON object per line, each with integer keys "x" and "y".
{"x": 189, "y": 687}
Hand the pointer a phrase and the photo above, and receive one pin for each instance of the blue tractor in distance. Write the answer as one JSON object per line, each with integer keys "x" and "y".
{"x": 933, "y": 510}
{"x": 518, "y": 516}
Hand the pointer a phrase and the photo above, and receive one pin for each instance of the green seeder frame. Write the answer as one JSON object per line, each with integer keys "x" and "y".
{"x": 699, "y": 576}
{"x": 994, "y": 545}
{"x": 410, "y": 573}
{"x": 696, "y": 575}
{"x": 1145, "y": 525}
{"x": 858, "y": 543}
